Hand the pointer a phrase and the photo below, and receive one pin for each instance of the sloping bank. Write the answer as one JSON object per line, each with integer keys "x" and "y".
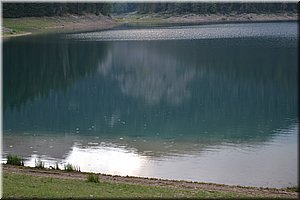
{"x": 73, "y": 23}
{"x": 20, "y": 182}
{"x": 199, "y": 19}
{"x": 69, "y": 23}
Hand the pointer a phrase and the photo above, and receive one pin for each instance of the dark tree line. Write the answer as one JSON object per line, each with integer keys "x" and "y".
{"x": 58, "y": 9}
{"x": 205, "y": 8}
{"x": 124, "y": 7}
{"x": 53, "y": 9}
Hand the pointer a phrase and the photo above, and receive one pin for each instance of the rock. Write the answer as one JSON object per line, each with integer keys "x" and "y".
{"x": 6, "y": 30}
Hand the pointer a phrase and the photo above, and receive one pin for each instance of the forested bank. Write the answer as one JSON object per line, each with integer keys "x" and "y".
{"x": 205, "y": 8}
{"x": 15, "y": 10}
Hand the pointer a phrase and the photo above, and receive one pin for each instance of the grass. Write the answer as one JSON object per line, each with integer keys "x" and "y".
{"x": 293, "y": 189}
{"x": 39, "y": 164}
{"x": 71, "y": 168}
{"x": 27, "y": 24}
{"x": 14, "y": 160}
{"x": 27, "y": 186}
{"x": 56, "y": 166}
{"x": 93, "y": 178}
{"x": 139, "y": 19}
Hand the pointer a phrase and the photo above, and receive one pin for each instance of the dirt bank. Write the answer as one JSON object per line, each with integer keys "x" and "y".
{"x": 135, "y": 18}
{"x": 83, "y": 23}
{"x": 70, "y": 23}
{"x": 251, "y": 191}
{"x": 233, "y": 18}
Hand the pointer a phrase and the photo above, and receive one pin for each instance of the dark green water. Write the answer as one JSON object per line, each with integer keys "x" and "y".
{"x": 179, "y": 98}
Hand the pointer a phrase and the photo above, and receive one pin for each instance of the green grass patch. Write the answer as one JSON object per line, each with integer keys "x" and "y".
{"x": 293, "y": 189}
{"x": 22, "y": 25}
{"x": 14, "y": 160}
{"x": 71, "y": 168}
{"x": 27, "y": 186}
{"x": 93, "y": 178}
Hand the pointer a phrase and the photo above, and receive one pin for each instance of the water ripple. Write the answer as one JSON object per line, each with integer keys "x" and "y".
{"x": 289, "y": 30}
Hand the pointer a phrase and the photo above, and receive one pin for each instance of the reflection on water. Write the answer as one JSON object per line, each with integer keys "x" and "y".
{"x": 209, "y": 161}
{"x": 193, "y": 32}
{"x": 163, "y": 105}
{"x": 107, "y": 160}
{"x": 152, "y": 78}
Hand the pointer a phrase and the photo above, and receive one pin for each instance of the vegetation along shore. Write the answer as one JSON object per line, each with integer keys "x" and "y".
{"x": 31, "y": 182}
{"x": 72, "y": 17}
{"x": 28, "y": 182}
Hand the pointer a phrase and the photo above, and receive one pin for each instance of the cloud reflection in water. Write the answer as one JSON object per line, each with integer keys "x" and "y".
{"x": 109, "y": 160}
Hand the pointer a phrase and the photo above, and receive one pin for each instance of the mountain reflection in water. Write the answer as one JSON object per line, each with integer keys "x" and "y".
{"x": 163, "y": 105}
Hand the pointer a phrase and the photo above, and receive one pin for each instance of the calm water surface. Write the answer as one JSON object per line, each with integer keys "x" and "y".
{"x": 213, "y": 103}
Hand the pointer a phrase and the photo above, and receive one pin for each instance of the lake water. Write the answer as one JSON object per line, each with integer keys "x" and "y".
{"x": 211, "y": 103}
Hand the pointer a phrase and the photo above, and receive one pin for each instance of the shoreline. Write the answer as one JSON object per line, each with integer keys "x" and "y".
{"x": 141, "y": 181}
{"x": 72, "y": 23}
{"x": 197, "y": 19}
{"x": 47, "y": 25}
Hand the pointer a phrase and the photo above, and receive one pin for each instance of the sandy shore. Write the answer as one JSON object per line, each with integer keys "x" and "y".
{"x": 251, "y": 191}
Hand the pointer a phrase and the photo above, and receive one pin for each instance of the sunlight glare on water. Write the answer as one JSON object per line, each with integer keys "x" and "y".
{"x": 109, "y": 160}
{"x": 192, "y": 32}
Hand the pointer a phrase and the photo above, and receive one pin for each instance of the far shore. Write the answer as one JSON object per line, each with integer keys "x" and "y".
{"x": 238, "y": 191}
{"x": 66, "y": 24}
{"x": 71, "y": 23}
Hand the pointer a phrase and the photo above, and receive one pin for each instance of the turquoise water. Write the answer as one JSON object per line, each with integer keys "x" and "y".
{"x": 213, "y": 103}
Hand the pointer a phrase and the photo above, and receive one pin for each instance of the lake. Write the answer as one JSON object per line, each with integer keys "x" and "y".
{"x": 209, "y": 103}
